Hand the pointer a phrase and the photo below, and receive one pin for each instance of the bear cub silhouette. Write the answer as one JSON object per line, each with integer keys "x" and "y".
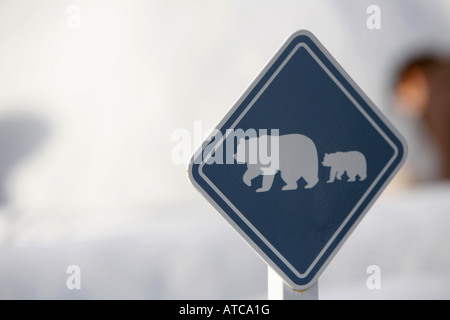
{"x": 353, "y": 163}
{"x": 297, "y": 159}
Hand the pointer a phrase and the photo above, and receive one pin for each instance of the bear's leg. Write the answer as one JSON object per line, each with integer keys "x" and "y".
{"x": 351, "y": 176}
{"x": 290, "y": 180}
{"x": 252, "y": 172}
{"x": 362, "y": 176}
{"x": 311, "y": 180}
{"x": 333, "y": 173}
{"x": 339, "y": 174}
{"x": 266, "y": 183}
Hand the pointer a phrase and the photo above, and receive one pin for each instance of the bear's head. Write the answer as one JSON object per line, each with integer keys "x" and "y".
{"x": 329, "y": 160}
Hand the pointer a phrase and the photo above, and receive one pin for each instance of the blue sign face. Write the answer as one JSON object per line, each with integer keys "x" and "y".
{"x": 298, "y": 161}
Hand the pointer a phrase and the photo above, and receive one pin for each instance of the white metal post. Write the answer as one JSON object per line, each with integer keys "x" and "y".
{"x": 278, "y": 290}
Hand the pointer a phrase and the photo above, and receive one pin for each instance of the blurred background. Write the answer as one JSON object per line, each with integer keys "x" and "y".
{"x": 91, "y": 92}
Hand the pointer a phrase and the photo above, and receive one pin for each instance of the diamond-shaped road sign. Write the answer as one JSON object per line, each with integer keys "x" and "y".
{"x": 298, "y": 160}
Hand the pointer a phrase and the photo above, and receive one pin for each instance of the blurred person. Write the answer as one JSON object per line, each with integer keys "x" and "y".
{"x": 422, "y": 92}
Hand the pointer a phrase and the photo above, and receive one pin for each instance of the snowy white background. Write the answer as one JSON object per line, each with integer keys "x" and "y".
{"x": 86, "y": 118}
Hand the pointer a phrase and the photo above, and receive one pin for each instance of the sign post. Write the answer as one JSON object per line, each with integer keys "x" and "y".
{"x": 298, "y": 161}
{"x": 278, "y": 290}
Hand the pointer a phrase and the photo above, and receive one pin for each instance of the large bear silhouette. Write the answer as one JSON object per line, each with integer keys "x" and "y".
{"x": 297, "y": 159}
